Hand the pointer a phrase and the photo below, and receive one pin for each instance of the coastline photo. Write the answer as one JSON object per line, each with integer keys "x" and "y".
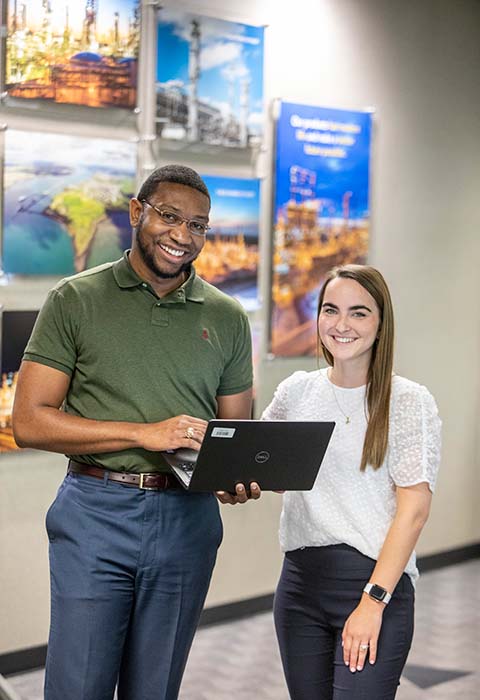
{"x": 65, "y": 202}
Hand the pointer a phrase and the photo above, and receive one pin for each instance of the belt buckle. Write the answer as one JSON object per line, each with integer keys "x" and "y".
{"x": 141, "y": 485}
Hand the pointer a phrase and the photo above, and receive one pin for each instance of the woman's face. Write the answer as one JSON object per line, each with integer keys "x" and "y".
{"x": 349, "y": 321}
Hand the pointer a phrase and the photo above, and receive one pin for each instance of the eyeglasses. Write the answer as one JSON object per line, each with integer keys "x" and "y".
{"x": 171, "y": 219}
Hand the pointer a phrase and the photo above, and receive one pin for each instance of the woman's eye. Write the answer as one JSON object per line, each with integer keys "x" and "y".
{"x": 329, "y": 312}
{"x": 359, "y": 314}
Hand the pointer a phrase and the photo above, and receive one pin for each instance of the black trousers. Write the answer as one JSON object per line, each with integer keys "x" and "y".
{"x": 318, "y": 589}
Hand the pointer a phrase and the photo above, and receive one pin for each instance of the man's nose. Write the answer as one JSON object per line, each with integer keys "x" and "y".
{"x": 181, "y": 233}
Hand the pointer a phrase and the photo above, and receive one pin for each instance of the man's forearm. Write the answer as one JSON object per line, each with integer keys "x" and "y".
{"x": 55, "y": 431}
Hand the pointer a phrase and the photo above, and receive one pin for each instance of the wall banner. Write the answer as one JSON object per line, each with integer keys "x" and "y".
{"x": 229, "y": 259}
{"x": 81, "y": 53}
{"x": 65, "y": 202}
{"x": 321, "y": 213}
{"x": 209, "y": 80}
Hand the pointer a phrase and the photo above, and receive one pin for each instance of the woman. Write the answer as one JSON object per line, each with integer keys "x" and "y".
{"x": 344, "y": 603}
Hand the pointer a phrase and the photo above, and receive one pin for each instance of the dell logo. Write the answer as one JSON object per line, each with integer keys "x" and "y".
{"x": 262, "y": 457}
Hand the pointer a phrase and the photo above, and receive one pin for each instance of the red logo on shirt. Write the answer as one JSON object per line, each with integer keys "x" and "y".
{"x": 205, "y": 335}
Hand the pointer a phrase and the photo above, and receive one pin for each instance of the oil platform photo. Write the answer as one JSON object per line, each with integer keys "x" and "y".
{"x": 74, "y": 52}
{"x": 209, "y": 85}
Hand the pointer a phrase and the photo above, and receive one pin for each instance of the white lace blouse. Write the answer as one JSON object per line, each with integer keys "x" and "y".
{"x": 346, "y": 505}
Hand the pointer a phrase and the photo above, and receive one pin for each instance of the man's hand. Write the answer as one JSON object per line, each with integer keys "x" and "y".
{"x": 241, "y": 494}
{"x": 170, "y": 434}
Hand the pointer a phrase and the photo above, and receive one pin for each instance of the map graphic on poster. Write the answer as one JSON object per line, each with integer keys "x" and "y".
{"x": 82, "y": 53}
{"x": 229, "y": 259}
{"x": 209, "y": 80}
{"x": 65, "y": 202}
{"x": 321, "y": 214}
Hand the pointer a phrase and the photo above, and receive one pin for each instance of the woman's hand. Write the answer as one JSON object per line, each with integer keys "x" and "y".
{"x": 360, "y": 633}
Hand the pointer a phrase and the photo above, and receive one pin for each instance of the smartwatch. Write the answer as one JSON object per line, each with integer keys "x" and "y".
{"x": 378, "y": 593}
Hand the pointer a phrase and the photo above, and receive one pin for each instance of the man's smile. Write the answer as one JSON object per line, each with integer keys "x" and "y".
{"x": 176, "y": 252}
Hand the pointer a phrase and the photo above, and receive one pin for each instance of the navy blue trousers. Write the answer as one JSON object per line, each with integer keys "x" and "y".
{"x": 130, "y": 570}
{"x": 318, "y": 589}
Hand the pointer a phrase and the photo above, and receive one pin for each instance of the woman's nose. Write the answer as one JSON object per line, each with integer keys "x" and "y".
{"x": 342, "y": 325}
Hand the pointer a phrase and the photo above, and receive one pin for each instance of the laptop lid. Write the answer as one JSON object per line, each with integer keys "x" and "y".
{"x": 278, "y": 455}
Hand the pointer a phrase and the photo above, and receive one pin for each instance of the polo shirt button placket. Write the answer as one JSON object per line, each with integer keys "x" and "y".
{"x": 160, "y": 314}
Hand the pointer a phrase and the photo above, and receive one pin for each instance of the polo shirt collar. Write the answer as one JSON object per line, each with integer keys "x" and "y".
{"x": 125, "y": 276}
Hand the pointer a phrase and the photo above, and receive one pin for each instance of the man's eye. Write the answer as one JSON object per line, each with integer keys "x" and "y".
{"x": 197, "y": 227}
{"x": 170, "y": 217}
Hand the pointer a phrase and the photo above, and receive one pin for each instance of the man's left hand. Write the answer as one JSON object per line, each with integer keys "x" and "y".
{"x": 241, "y": 494}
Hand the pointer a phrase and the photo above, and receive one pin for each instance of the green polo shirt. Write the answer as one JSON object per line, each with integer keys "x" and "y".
{"x": 132, "y": 356}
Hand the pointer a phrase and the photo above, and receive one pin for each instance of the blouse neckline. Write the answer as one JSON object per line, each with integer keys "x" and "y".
{"x": 359, "y": 389}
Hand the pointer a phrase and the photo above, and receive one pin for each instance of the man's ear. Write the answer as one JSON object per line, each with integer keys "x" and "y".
{"x": 136, "y": 210}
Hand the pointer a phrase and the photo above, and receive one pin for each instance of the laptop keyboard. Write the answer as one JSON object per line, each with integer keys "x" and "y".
{"x": 187, "y": 468}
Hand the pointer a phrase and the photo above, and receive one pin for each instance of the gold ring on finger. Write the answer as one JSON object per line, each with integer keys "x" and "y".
{"x": 190, "y": 433}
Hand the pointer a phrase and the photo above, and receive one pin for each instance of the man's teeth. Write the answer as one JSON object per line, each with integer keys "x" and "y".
{"x": 173, "y": 251}
{"x": 344, "y": 340}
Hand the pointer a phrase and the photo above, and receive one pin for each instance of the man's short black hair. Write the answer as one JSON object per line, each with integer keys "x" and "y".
{"x": 179, "y": 174}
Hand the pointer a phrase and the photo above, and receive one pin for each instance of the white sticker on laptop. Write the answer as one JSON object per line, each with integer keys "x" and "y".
{"x": 223, "y": 432}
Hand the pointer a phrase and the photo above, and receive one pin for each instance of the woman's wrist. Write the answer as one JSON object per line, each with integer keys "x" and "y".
{"x": 372, "y": 604}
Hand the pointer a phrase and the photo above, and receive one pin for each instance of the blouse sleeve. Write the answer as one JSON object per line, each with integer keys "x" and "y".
{"x": 415, "y": 439}
{"x": 278, "y": 409}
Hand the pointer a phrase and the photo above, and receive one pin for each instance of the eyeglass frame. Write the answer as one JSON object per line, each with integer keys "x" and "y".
{"x": 180, "y": 219}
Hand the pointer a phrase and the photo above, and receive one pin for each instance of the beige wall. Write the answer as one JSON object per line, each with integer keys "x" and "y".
{"x": 417, "y": 64}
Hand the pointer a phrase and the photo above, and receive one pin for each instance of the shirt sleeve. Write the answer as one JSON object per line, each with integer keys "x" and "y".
{"x": 278, "y": 408}
{"x": 238, "y": 373}
{"x": 52, "y": 342}
{"x": 415, "y": 439}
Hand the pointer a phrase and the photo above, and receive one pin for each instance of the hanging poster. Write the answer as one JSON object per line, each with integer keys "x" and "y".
{"x": 321, "y": 214}
{"x": 229, "y": 259}
{"x": 209, "y": 80}
{"x": 82, "y": 53}
{"x": 65, "y": 202}
{"x": 15, "y": 327}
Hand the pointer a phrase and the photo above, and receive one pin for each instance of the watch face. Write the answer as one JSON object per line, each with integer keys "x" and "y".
{"x": 378, "y": 592}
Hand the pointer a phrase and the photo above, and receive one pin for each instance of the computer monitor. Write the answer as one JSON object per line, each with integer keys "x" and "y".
{"x": 17, "y": 327}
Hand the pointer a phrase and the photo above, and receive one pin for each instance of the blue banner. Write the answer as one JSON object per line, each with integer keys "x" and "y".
{"x": 321, "y": 214}
{"x": 229, "y": 259}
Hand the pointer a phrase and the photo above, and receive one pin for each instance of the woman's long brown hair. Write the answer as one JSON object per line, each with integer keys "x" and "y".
{"x": 379, "y": 378}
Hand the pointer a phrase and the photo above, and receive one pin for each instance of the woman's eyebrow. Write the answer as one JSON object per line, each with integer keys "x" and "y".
{"x": 360, "y": 306}
{"x": 357, "y": 307}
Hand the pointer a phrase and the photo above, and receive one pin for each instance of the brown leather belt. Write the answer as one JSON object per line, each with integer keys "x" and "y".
{"x": 147, "y": 482}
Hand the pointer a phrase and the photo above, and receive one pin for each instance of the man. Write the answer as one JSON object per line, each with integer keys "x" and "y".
{"x": 126, "y": 360}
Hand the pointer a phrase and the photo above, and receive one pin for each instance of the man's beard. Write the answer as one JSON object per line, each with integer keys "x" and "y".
{"x": 149, "y": 260}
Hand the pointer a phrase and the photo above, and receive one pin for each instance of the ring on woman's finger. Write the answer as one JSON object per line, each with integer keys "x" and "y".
{"x": 363, "y": 647}
{"x": 190, "y": 433}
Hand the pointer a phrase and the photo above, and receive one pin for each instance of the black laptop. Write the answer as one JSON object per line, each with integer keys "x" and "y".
{"x": 278, "y": 455}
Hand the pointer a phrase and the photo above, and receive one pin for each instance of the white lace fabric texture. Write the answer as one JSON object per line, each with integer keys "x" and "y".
{"x": 346, "y": 505}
